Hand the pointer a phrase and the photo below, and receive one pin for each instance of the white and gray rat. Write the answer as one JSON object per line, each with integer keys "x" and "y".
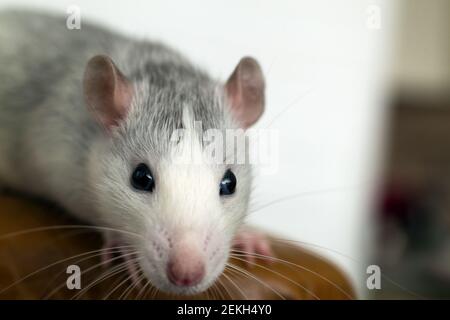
{"x": 86, "y": 118}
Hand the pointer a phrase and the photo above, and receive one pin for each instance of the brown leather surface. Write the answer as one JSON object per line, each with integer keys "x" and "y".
{"x": 35, "y": 252}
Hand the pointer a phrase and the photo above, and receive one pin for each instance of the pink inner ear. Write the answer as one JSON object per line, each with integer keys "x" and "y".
{"x": 108, "y": 93}
{"x": 123, "y": 95}
{"x": 245, "y": 91}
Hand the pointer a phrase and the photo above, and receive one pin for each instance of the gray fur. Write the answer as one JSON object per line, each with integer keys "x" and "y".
{"x": 50, "y": 146}
{"x": 42, "y": 105}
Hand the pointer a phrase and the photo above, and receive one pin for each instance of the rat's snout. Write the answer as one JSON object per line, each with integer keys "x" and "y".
{"x": 185, "y": 272}
{"x": 186, "y": 265}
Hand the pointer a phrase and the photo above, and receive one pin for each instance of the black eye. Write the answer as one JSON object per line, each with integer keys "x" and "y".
{"x": 228, "y": 183}
{"x": 142, "y": 178}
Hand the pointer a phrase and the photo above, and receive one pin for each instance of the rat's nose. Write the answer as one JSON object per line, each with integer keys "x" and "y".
{"x": 186, "y": 266}
{"x": 185, "y": 274}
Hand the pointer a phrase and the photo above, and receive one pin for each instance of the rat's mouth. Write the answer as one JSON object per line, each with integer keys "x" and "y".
{"x": 164, "y": 280}
{"x": 166, "y": 286}
{"x": 186, "y": 290}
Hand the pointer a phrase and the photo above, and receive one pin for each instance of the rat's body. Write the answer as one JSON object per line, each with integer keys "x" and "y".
{"x": 139, "y": 93}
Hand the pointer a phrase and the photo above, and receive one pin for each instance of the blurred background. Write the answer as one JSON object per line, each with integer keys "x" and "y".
{"x": 413, "y": 204}
{"x": 357, "y": 91}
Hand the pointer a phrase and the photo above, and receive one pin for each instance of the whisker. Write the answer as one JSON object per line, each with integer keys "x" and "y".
{"x": 119, "y": 285}
{"x": 241, "y": 292}
{"x": 99, "y": 251}
{"x": 207, "y": 294}
{"x": 147, "y": 283}
{"x": 303, "y": 194}
{"x": 154, "y": 292}
{"x": 112, "y": 250}
{"x": 105, "y": 275}
{"x": 290, "y": 105}
{"x": 281, "y": 275}
{"x": 293, "y": 243}
{"x": 295, "y": 265}
{"x": 57, "y": 227}
{"x": 255, "y": 278}
{"x": 225, "y": 288}
{"x": 238, "y": 275}
{"x": 220, "y": 295}
{"x": 213, "y": 292}
{"x": 134, "y": 285}
{"x": 88, "y": 270}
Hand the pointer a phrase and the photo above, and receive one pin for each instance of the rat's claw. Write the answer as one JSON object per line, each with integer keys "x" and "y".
{"x": 253, "y": 244}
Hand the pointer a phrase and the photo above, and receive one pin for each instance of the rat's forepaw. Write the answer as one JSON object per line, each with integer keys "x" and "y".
{"x": 253, "y": 244}
{"x": 112, "y": 247}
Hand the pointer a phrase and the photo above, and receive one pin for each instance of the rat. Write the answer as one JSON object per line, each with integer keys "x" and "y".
{"x": 86, "y": 120}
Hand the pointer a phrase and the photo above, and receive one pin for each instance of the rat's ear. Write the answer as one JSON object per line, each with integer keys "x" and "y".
{"x": 106, "y": 90}
{"x": 245, "y": 92}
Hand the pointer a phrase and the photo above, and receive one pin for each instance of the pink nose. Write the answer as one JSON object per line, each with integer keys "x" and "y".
{"x": 185, "y": 274}
{"x": 186, "y": 266}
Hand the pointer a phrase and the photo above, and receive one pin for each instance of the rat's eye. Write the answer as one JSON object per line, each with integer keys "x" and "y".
{"x": 228, "y": 183}
{"x": 142, "y": 178}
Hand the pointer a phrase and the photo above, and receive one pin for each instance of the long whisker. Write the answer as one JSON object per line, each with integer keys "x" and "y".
{"x": 142, "y": 290}
{"x": 57, "y": 227}
{"x": 222, "y": 284}
{"x": 213, "y": 290}
{"x": 255, "y": 278}
{"x": 295, "y": 265}
{"x": 238, "y": 274}
{"x": 124, "y": 263}
{"x": 207, "y": 294}
{"x": 210, "y": 293}
{"x": 111, "y": 250}
{"x": 120, "y": 284}
{"x": 100, "y": 251}
{"x": 281, "y": 275}
{"x": 236, "y": 286}
{"x": 133, "y": 286}
{"x": 303, "y": 194}
{"x": 290, "y": 105}
{"x": 292, "y": 243}
{"x": 108, "y": 274}
{"x": 126, "y": 293}
{"x": 220, "y": 294}
{"x": 88, "y": 270}
{"x": 71, "y": 233}
{"x": 154, "y": 292}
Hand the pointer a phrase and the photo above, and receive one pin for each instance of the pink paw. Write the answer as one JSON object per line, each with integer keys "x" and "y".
{"x": 111, "y": 247}
{"x": 253, "y": 243}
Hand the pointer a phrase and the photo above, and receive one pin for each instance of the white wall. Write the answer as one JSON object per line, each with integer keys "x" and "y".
{"x": 322, "y": 65}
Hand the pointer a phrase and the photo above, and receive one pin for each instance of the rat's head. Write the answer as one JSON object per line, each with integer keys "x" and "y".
{"x": 151, "y": 171}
